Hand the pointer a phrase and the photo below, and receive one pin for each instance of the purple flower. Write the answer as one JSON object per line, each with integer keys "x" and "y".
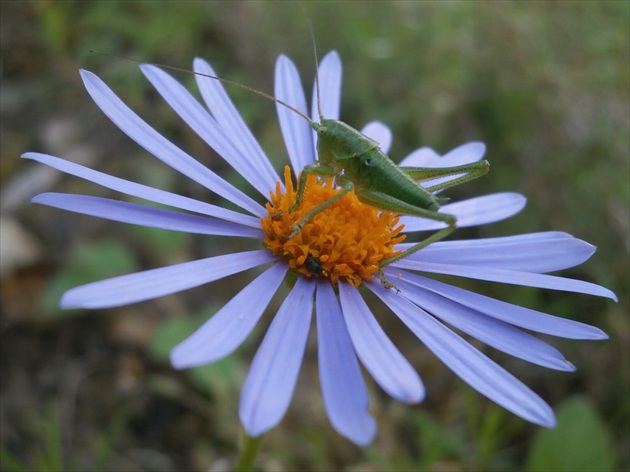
{"x": 346, "y": 329}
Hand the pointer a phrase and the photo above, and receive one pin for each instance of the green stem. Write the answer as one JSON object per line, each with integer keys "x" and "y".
{"x": 249, "y": 452}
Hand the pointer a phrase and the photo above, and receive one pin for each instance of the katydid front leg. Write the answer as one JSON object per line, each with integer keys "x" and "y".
{"x": 322, "y": 171}
{"x": 317, "y": 169}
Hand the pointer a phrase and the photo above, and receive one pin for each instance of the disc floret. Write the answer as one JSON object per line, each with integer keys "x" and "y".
{"x": 345, "y": 241}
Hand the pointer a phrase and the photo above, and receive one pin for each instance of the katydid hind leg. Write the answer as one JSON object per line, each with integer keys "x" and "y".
{"x": 471, "y": 171}
{"x": 389, "y": 203}
{"x": 444, "y": 232}
{"x": 441, "y": 234}
{"x": 384, "y": 201}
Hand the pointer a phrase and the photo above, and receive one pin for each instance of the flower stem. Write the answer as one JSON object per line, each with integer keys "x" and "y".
{"x": 249, "y": 452}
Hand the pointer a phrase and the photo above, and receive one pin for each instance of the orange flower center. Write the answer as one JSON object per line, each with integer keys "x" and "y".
{"x": 345, "y": 240}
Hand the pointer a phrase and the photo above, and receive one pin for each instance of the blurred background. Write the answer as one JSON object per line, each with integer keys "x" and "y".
{"x": 544, "y": 84}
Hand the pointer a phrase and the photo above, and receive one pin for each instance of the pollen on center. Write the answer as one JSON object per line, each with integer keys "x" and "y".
{"x": 346, "y": 240}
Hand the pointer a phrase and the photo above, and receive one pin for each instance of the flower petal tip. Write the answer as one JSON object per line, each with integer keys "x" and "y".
{"x": 413, "y": 396}
{"x": 85, "y": 74}
{"x": 365, "y": 438}
{"x": 254, "y": 429}
{"x": 545, "y": 418}
{"x": 178, "y": 361}
{"x": 360, "y": 434}
{"x": 67, "y": 302}
{"x": 596, "y": 334}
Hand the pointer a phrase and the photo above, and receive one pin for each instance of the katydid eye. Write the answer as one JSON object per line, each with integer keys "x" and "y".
{"x": 321, "y": 131}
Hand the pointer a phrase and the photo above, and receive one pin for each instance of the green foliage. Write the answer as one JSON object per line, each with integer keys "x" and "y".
{"x": 438, "y": 443}
{"x": 220, "y": 379}
{"x": 579, "y": 443}
{"x": 47, "y": 432}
